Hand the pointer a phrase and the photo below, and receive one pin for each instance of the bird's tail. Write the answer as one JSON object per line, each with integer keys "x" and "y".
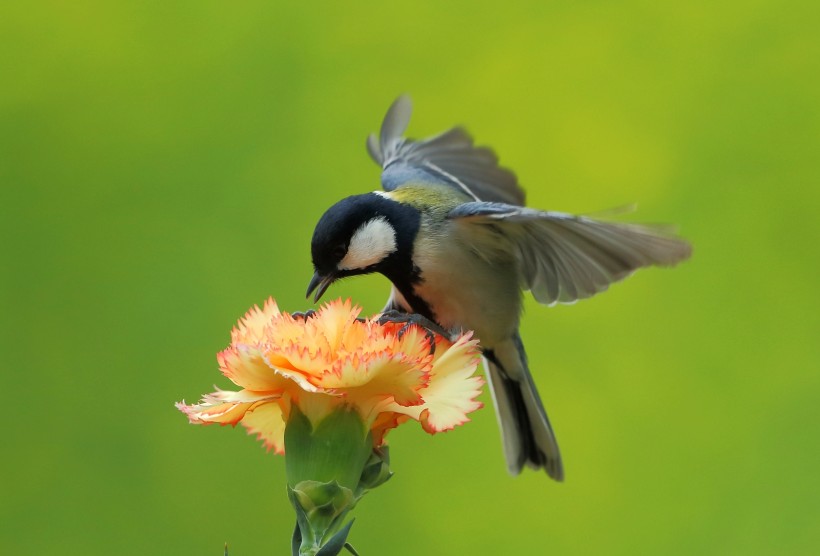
{"x": 525, "y": 429}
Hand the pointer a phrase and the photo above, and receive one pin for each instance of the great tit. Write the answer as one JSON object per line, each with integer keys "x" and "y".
{"x": 450, "y": 231}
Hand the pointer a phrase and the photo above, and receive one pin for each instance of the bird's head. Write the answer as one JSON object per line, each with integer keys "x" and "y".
{"x": 360, "y": 235}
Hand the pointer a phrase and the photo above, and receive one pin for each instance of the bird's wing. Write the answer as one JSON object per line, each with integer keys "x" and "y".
{"x": 563, "y": 257}
{"x": 448, "y": 158}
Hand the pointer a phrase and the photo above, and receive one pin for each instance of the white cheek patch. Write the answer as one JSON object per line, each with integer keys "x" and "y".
{"x": 372, "y": 242}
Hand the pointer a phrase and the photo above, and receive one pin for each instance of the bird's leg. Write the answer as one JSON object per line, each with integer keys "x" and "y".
{"x": 395, "y": 316}
{"x": 431, "y": 329}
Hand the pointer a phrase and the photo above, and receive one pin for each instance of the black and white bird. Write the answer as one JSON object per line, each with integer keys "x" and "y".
{"x": 450, "y": 231}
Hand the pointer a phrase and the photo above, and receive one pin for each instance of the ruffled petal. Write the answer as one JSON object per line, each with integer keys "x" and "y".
{"x": 452, "y": 388}
{"x": 251, "y": 328}
{"x": 225, "y": 407}
{"x": 267, "y": 422}
{"x": 386, "y": 371}
{"x": 245, "y": 366}
{"x": 384, "y": 422}
{"x": 317, "y": 406}
{"x": 451, "y": 394}
{"x": 301, "y": 380}
{"x": 389, "y": 377}
{"x": 334, "y": 321}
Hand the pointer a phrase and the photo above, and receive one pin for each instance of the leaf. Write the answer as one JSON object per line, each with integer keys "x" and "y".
{"x": 335, "y": 545}
{"x": 296, "y": 541}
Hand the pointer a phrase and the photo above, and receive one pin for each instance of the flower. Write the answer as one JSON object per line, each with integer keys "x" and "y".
{"x": 387, "y": 372}
{"x": 330, "y": 385}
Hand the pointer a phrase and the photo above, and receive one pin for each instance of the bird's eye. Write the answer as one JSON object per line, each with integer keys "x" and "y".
{"x": 339, "y": 252}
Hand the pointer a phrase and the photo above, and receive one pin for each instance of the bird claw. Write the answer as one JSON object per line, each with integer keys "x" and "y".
{"x": 431, "y": 329}
{"x": 304, "y": 316}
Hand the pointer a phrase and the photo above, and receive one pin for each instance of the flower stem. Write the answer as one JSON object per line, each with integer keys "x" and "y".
{"x": 325, "y": 462}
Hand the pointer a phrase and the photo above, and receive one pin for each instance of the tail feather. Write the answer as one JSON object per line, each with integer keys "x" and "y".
{"x": 526, "y": 432}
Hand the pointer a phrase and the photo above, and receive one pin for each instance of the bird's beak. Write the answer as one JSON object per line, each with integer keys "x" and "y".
{"x": 320, "y": 282}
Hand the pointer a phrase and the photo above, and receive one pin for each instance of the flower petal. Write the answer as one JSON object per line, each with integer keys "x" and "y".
{"x": 451, "y": 392}
{"x": 384, "y": 370}
{"x": 245, "y": 365}
{"x": 387, "y": 377}
{"x": 384, "y": 423}
{"x": 224, "y": 406}
{"x": 268, "y": 424}
{"x": 251, "y": 328}
{"x": 334, "y": 320}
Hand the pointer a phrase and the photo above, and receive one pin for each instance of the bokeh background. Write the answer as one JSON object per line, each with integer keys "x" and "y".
{"x": 162, "y": 165}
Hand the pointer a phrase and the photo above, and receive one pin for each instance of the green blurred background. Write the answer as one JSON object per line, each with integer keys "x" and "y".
{"x": 162, "y": 165}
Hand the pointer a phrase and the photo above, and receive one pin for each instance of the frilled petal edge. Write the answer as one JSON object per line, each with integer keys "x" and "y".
{"x": 451, "y": 391}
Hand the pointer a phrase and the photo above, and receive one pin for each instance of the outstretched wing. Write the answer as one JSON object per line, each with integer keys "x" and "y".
{"x": 448, "y": 158}
{"x": 563, "y": 257}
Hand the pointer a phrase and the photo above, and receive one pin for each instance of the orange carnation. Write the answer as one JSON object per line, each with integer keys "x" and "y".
{"x": 388, "y": 372}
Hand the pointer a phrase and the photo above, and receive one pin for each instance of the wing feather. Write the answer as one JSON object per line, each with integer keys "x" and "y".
{"x": 564, "y": 258}
{"x": 448, "y": 158}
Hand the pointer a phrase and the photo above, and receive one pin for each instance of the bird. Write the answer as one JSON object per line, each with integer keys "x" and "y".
{"x": 450, "y": 231}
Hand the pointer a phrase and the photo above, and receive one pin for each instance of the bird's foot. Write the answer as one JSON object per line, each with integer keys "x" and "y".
{"x": 303, "y": 316}
{"x": 431, "y": 329}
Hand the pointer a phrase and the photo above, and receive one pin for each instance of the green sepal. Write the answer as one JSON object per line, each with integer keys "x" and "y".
{"x": 330, "y": 464}
{"x": 335, "y": 449}
{"x": 376, "y": 470}
{"x": 335, "y": 545}
{"x": 296, "y": 540}
{"x": 320, "y": 511}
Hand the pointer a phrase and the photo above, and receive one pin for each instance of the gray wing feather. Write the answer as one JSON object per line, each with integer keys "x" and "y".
{"x": 449, "y": 158}
{"x": 564, "y": 258}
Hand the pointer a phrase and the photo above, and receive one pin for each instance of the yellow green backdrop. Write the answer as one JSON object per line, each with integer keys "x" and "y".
{"x": 161, "y": 168}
